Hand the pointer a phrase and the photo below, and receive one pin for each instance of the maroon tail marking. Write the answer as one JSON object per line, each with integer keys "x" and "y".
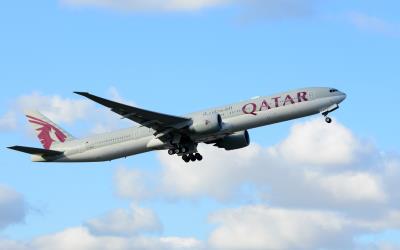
{"x": 44, "y": 132}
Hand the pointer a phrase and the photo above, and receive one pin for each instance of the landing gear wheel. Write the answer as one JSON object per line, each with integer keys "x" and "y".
{"x": 183, "y": 150}
{"x": 198, "y": 156}
{"x": 171, "y": 151}
{"x": 185, "y": 158}
{"x": 192, "y": 157}
{"x": 328, "y": 119}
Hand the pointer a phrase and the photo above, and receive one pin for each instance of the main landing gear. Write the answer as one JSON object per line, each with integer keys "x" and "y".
{"x": 186, "y": 153}
{"x": 192, "y": 157}
{"x": 177, "y": 151}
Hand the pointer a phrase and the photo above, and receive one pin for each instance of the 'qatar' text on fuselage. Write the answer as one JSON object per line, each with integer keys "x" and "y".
{"x": 252, "y": 108}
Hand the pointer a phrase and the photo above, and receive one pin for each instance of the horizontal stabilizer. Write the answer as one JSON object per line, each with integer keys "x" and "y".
{"x": 36, "y": 151}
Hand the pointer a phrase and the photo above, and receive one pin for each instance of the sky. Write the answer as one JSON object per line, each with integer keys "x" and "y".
{"x": 301, "y": 184}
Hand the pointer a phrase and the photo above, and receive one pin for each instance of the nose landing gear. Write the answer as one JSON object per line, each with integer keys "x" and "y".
{"x": 329, "y": 110}
{"x": 328, "y": 119}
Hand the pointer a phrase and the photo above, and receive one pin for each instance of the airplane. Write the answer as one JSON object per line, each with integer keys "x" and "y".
{"x": 225, "y": 127}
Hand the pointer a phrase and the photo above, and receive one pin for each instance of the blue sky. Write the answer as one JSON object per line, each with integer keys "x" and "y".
{"x": 176, "y": 59}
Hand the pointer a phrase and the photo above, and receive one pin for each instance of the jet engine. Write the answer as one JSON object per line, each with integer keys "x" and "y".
{"x": 206, "y": 124}
{"x": 234, "y": 141}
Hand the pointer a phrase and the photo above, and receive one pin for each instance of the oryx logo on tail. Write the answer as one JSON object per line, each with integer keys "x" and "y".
{"x": 47, "y": 133}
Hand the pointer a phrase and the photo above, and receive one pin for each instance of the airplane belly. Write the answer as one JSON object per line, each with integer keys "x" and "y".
{"x": 110, "y": 152}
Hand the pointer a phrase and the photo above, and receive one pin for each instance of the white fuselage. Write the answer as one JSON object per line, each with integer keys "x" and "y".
{"x": 236, "y": 117}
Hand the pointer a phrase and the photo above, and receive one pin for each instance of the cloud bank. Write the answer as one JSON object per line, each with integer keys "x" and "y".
{"x": 63, "y": 110}
{"x": 292, "y": 201}
{"x": 248, "y": 10}
{"x": 123, "y": 222}
{"x": 13, "y": 208}
{"x": 274, "y": 9}
{"x": 80, "y": 238}
{"x": 263, "y": 227}
{"x": 149, "y": 5}
{"x": 8, "y": 121}
{"x": 321, "y": 187}
{"x": 59, "y": 109}
{"x": 375, "y": 24}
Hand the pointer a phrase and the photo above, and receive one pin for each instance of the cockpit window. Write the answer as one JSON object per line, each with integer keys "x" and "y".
{"x": 333, "y": 90}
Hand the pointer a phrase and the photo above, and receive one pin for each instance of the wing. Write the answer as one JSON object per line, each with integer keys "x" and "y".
{"x": 162, "y": 123}
{"x": 36, "y": 151}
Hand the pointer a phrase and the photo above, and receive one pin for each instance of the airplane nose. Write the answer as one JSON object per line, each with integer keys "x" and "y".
{"x": 343, "y": 96}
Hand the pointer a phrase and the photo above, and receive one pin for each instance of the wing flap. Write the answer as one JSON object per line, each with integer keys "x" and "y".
{"x": 36, "y": 151}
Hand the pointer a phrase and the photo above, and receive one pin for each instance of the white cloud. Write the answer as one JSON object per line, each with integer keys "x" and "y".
{"x": 8, "y": 121}
{"x": 273, "y": 9}
{"x": 315, "y": 158}
{"x": 317, "y": 143}
{"x": 8, "y": 244}
{"x": 129, "y": 183}
{"x": 217, "y": 176}
{"x": 372, "y": 23}
{"x": 262, "y": 227}
{"x": 117, "y": 230}
{"x": 148, "y": 5}
{"x": 13, "y": 208}
{"x": 324, "y": 187}
{"x": 57, "y": 108}
{"x": 276, "y": 9}
{"x": 68, "y": 110}
{"x": 315, "y": 202}
{"x": 107, "y": 120}
{"x": 386, "y": 246}
{"x": 351, "y": 187}
{"x": 116, "y": 96}
{"x": 358, "y": 181}
{"x": 122, "y": 222}
{"x": 80, "y": 238}
{"x": 389, "y": 220}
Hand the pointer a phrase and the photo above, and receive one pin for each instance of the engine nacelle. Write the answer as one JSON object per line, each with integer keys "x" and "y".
{"x": 206, "y": 124}
{"x": 234, "y": 141}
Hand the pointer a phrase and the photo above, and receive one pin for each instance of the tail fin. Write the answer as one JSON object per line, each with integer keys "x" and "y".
{"x": 47, "y": 131}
